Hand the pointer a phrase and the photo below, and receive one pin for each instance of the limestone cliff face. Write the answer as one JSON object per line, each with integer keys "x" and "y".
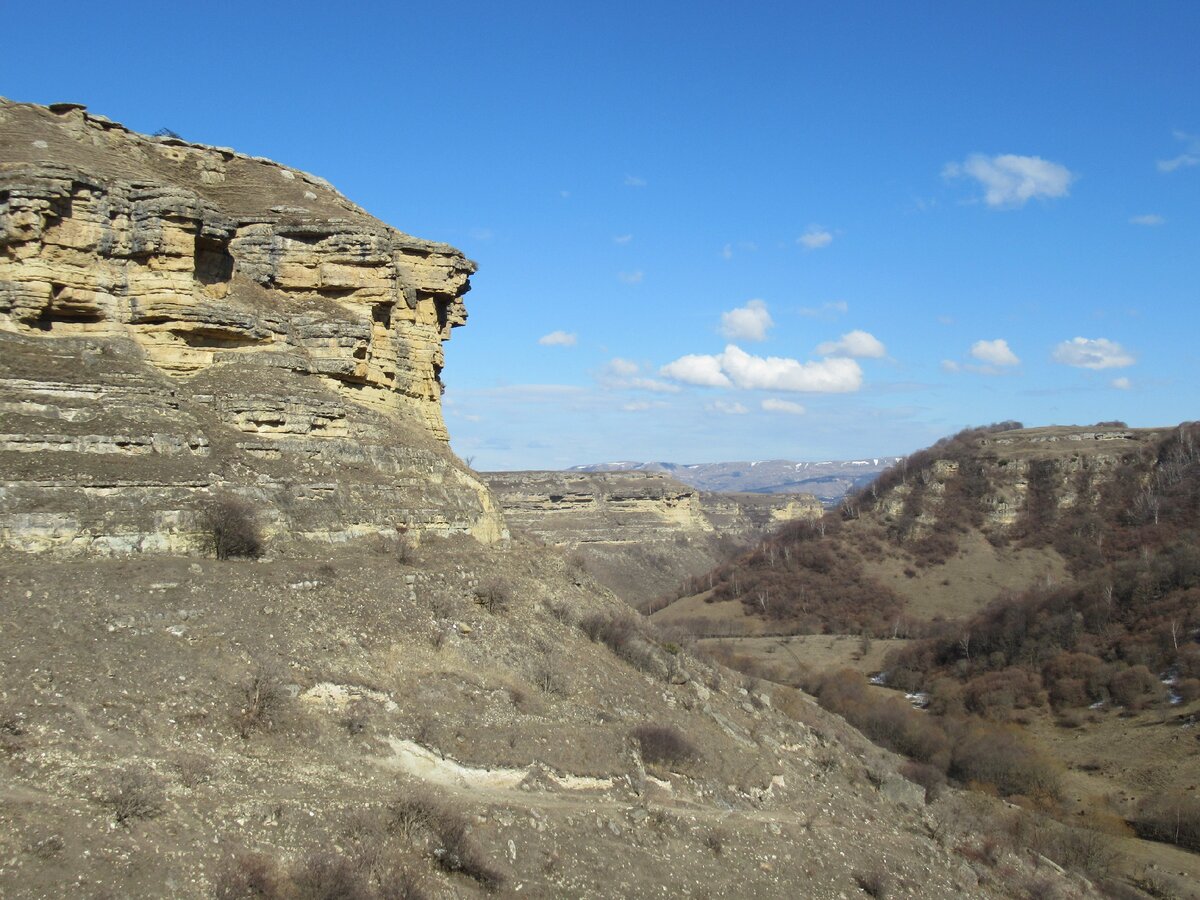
{"x": 1060, "y": 466}
{"x": 225, "y": 322}
{"x": 573, "y": 508}
{"x": 639, "y": 533}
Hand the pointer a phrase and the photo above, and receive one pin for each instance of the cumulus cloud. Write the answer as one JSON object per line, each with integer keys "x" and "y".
{"x": 1011, "y": 181}
{"x": 1093, "y": 353}
{"x": 634, "y": 181}
{"x": 698, "y": 369}
{"x": 815, "y": 237}
{"x": 1148, "y": 219}
{"x": 859, "y": 344}
{"x": 622, "y": 238}
{"x": 622, "y": 367}
{"x": 729, "y": 409}
{"x": 558, "y": 339}
{"x": 735, "y": 367}
{"x": 1122, "y": 383}
{"x": 996, "y": 353}
{"x": 634, "y": 277}
{"x": 747, "y": 323}
{"x": 727, "y": 251}
{"x": 1190, "y": 156}
{"x": 771, "y": 404}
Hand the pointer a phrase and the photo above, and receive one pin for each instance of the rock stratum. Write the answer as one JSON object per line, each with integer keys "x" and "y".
{"x": 640, "y": 533}
{"x": 180, "y": 321}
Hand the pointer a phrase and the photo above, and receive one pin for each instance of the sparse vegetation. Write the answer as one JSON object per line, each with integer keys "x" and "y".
{"x": 875, "y": 883}
{"x": 264, "y": 697}
{"x": 664, "y": 745}
{"x": 493, "y": 595}
{"x": 133, "y": 793}
{"x": 232, "y": 527}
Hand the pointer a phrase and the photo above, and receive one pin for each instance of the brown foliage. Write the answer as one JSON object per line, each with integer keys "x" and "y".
{"x": 664, "y": 744}
{"x": 233, "y": 528}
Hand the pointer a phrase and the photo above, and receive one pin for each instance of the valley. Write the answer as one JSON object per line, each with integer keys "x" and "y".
{"x": 265, "y": 635}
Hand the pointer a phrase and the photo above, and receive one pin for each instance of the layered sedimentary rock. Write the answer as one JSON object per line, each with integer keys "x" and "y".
{"x": 639, "y": 533}
{"x": 178, "y": 321}
{"x": 572, "y": 508}
{"x": 1058, "y": 467}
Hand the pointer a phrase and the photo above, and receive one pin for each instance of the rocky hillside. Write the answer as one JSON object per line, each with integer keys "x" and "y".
{"x": 180, "y": 321}
{"x": 186, "y": 330}
{"x": 828, "y": 480}
{"x": 640, "y": 533}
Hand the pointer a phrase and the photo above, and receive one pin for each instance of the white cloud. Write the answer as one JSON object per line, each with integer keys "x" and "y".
{"x": 815, "y": 237}
{"x": 634, "y": 277}
{"x": 856, "y": 343}
{"x": 950, "y": 365}
{"x": 622, "y": 238}
{"x": 996, "y": 353}
{"x": 558, "y": 339}
{"x": 698, "y": 369}
{"x": 1093, "y": 353}
{"x": 634, "y": 181}
{"x": 1122, "y": 383}
{"x": 830, "y": 310}
{"x": 747, "y": 323}
{"x": 727, "y": 251}
{"x": 622, "y": 367}
{"x": 1012, "y": 181}
{"x": 729, "y": 409}
{"x": 771, "y": 404}
{"x": 1190, "y": 157}
{"x": 1148, "y": 219}
{"x": 734, "y": 366}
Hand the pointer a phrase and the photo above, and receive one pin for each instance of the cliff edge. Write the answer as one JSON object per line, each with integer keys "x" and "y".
{"x": 179, "y": 321}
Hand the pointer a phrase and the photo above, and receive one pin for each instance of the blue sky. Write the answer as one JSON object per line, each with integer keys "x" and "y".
{"x": 708, "y": 231}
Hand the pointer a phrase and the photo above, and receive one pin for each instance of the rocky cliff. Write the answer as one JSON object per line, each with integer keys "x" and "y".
{"x": 640, "y": 533}
{"x": 179, "y": 321}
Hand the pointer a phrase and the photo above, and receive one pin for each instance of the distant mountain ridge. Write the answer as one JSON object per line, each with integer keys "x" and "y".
{"x": 827, "y": 479}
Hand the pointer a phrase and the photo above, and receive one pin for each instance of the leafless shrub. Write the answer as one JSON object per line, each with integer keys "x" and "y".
{"x": 493, "y": 595}
{"x": 250, "y": 876}
{"x": 232, "y": 527}
{"x": 329, "y": 876}
{"x": 398, "y": 882}
{"x": 876, "y": 883}
{"x": 550, "y": 674}
{"x": 457, "y": 851}
{"x": 715, "y": 841}
{"x": 664, "y": 744}
{"x": 929, "y": 777}
{"x": 621, "y": 633}
{"x": 194, "y": 769}
{"x": 264, "y": 697}
{"x": 418, "y": 813}
{"x": 561, "y": 612}
{"x": 133, "y": 793}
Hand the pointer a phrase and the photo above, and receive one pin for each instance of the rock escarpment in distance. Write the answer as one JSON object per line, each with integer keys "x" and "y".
{"x": 640, "y": 533}
{"x": 179, "y": 321}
